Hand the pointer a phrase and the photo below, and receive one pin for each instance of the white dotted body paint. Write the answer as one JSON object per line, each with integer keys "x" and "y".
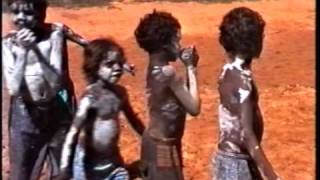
{"x": 243, "y": 94}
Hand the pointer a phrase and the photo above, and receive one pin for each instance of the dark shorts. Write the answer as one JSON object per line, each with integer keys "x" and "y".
{"x": 36, "y": 132}
{"x": 161, "y": 160}
{"x": 229, "y": 167}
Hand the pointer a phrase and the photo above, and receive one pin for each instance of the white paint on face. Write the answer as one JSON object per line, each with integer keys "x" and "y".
{"x": 111, "y": 68}
{"x": 24, "y": 15}
{"x": 105, "y": 72}
{"x": 243, "y": 94}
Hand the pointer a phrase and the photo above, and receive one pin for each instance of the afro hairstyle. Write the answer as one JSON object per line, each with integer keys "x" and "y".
{"x": 156, "y": 30}
{"x": 241, "y": 33}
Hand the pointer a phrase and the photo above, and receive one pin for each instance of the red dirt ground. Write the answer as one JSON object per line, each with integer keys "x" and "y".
{"x": 285, "y": 75}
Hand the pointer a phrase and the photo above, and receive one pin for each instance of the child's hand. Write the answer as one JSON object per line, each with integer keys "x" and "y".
{"x": 189, "y": 56}
{"x": 25, "y": 37}
{"x": 130, "y": 68}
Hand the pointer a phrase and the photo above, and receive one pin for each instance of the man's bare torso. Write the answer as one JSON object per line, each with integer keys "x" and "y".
{"x": 35, "y": 87}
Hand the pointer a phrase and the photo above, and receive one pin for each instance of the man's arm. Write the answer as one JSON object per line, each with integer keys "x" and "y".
{"x": 13, "y": 66}
{"x": 70, "y": 143}
{"x": 250, "y": 139}
{"x": 71, "y": 35}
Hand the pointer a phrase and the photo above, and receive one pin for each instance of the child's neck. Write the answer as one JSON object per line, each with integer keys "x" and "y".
{"x": 104, "y": 84}
{"x": 159, "y": 59}
{"x": 241, "y": 63}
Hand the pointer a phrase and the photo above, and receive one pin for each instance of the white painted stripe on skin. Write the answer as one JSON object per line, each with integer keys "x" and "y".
{"x": 237, "y": 63}
{"x": 66, "y": 151}
{"x": 84, "y": 104}
{"x": 243, "y": 94}
{"x": 233, "y": 146}
{"x": 103, "y": 167}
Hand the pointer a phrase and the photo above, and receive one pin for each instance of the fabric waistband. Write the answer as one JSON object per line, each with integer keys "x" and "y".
{"x": 163, "y": 140}
{"x": 233, "y": 155}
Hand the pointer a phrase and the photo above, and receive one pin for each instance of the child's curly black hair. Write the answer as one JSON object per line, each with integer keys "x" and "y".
{"x": 241, "y": 33}
{"x": 155, "y": 30}
{"x": 40, "y": 6}
{"x": 96, "y": 51}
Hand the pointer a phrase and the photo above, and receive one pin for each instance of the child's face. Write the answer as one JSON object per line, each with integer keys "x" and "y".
{"x": 24, "y": 15}
{"x": 111, "y": 68}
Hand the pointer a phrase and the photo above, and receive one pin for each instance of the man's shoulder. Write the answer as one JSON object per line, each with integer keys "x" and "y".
{"x": 58, "y": 26}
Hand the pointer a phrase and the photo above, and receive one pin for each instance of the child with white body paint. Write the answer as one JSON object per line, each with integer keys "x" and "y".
{"x": 240, "y": 155}
{"x": 94, "y": 135}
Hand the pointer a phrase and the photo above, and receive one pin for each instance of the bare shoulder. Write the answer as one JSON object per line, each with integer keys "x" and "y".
{"x": 168, "y": 71}
{"x": 164, "y": 73}
{"x": 58, "y": 26}
{"x": 234, "y": 88}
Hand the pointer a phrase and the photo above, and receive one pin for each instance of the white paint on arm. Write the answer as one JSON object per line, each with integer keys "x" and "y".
{"x": 67, "y": 150}
{"x": 83, "y": 107}
{"x": 71, "y": 139}
{"x": 14, "y": 66}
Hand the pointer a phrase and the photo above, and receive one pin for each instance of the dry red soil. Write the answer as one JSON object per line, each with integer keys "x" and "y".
{"x": 285, "y": 75}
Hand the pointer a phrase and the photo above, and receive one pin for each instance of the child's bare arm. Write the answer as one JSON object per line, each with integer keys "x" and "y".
{"x": 69, "y": 146}
{"x": 134, "y": 121}
{"x": 189, "y": 97}
{"x": 250, "y": 139}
